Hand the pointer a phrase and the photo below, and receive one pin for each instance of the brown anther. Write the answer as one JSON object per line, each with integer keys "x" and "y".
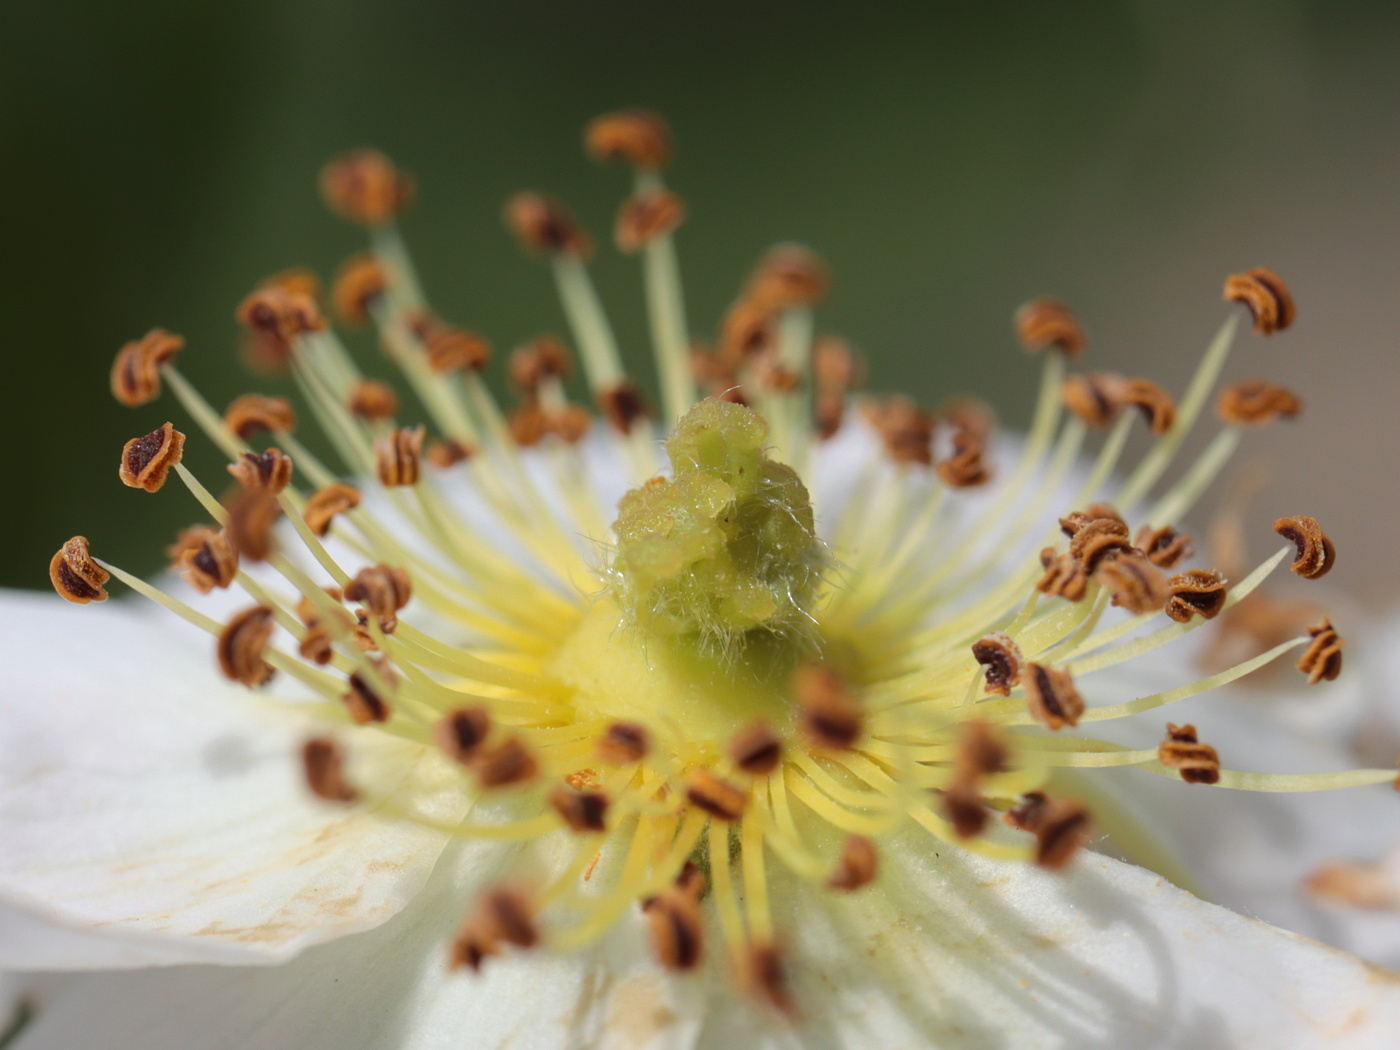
{"x": 1255, "y": 402}
{"x": 1316, "y": 555}
{"x": 205, "y": 558}
{"x": 570, "y": 424}
{"x": 365, "y": 187}
{"x": 1059, "y": 825}
{"x": 965, "y": 467}
{"x": 471, "y": 948}
{"x": 835, "y": 366}
{"x": 147, "y": 460}
{"x": 1027, "y": 813}
{"x": 982, "y": 752}
{"x": 452, "y": 349}
{"x": 529, "y": 424}
{"x": 789, "y": 275}
{"x": 383, "y": 590}
{"x": 580, "y": 810}
{"x": 1045, "y": 322}
{"x": 637, "y": 136}
{"x": 317, "y": 642}
{"x": 241, "y": 646}
{"x": 1156, "y": 404}
{"x": 905, "y": 428}
{"x": 300, "y": 280}
{"x": 75, "y": 576}
{"x": 716, "y": 796}
{"x": 765, "y": 971}
{"x": 1358, "y": 885}
{"x": 757, "y": 749}
{"x": 270, "y": 471}
{"x": 545, "y": 357}
{"x": 1267, "y": 297}
{"x": 1064, "y": 576}
{"x": 775, "y": 377}
{"x": 136, "y": 371}
{"x": 582, "y": 779}
{"x": 624, "y": 742}
{"x": 747, "y": 330}
{"x": 832, "y": 714}
{"x": 448, "y": 452}
{"x": 507, "y": 915}
{"x": 1196, "y": 762}
{"x": 999, "y": 654}
{"x": 505, "y": 765}
{"x": 677, "y": 929}
{"x": 398, "y": 456}
{"x": 545, "y": 226}
{"x": 462, "y": 732}
{"x": 1165, "y": 547}
{"x": 1098, "y": 540}
{"x": 647, "y": 216}
{"x": 364, "y": 700}
{"x": 1195, "y": 592}
{"x": 324, "y": 504}
{"x": 1095, "y": 397}
{"x": 275, "y": 317}
{"x": 252, "y": 513}
{"x": 1060, "y": 832}
{"x": 372, "y": 400}
{"x": 252, "y": 413}
{"x": 1071, "y": 523}
{"x": 828, "y": 412}
{"x": 1051, "y": 697}
{"x": 323, "y": 763}
{"x": 622, "y": 406}
{"x": 857, "y": 865}
{"x": 965, "y": 809}
{"x": 1136, "y": 585}
{"x": 1322, "y": 660}
{"x": 360, "y": 282}
{"x": 690, "y": 880}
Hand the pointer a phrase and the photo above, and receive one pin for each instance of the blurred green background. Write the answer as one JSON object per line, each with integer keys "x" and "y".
{"x": 949, "y": 160}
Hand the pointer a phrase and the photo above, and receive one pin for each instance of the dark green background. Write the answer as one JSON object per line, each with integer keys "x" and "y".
{"x": 948, "y": 160}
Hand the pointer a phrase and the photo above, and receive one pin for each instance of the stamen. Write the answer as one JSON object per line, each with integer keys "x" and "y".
{"x": 647, "y": 216}
{"x": 637, "y": 136}
{"x": 359, "y": 286}
{"x": 1045, "y": 323}
{"x": 398, "y": 456}
{"x": 1001, "y": 657}
{"x": 716, "y": 796}
{"x": 832, "y": 714}
{"x": 241, "y": 646}
{"x": 766, "y": 973}
{"x": 365, "y": 187}
{"x": 323, "y": 505}
{"x": 1060, "y": 827}
{"x": 624, "y": 742}
{"x": 462, "y": 732}
{"x": 444, "y": 453}
{"x": 75, "y": 575}
{"x": 383, "y": 590}
{"x": 367, "y": 700}
{"x": 1095, "y": 397}
{"x": 147, "y": 460}
{"x": 373, "y": 400}
{"x": 204, "y": 558}
{"x": 1316, "y": 555}
{"x": 136, "y": 371}
{"x": 323, "y": 762}
{"x": 507, "y": 764}
{"x": 1256, "y": 402}
{"x": 1051, "y": 697}
{"x": 269, "y": 471}
{"x": 1196, "y": 762}
{"x": 677, "y": 930}
{"x": 1264, "y": 292}
{"x": 1156, "y": 404}
{"x": 580, "y": 810}
{"x": 251, "y": 518}
{"x": 757, "y": 750}
{"x": 1195, "y": 592}
{"x": 1135, "y": 585}
{"x": 253, "y": 413}
{"x": 1322, "y": 660}
{"x": 1165, "y": 547}
{"x": 857, "y": 866}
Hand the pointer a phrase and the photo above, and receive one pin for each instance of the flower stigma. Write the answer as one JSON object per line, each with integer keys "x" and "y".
{"x": 823, "y": 619}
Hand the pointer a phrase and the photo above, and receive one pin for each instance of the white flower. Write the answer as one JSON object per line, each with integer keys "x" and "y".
{"x": 731, "y": 740}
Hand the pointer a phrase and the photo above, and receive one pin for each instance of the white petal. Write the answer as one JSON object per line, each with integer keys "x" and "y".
{"x": 145, "y": 800}
{"x": 965, "y": 956}
{"x": 387, "y": 990}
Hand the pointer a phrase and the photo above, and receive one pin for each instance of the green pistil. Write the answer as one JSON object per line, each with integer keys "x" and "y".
{"x": 728, "y": 545}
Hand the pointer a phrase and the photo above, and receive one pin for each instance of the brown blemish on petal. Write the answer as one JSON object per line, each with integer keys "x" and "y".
{"x": 1359, "y": 885}
{"x": 75, "y": 576}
